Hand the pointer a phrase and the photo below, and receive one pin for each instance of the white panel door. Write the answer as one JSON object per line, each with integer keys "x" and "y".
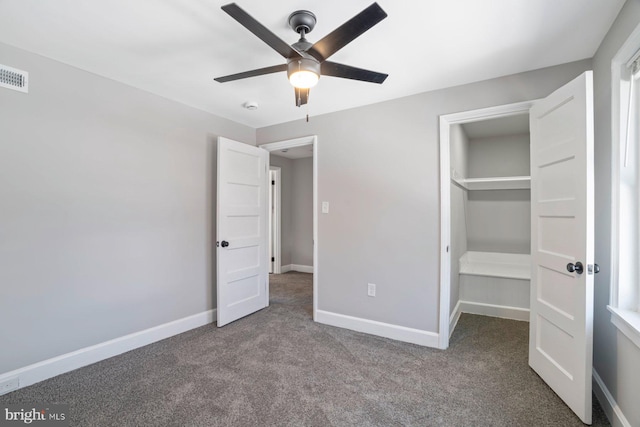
{"x": 562, "y": 247}
{"x": 242, "y": 227}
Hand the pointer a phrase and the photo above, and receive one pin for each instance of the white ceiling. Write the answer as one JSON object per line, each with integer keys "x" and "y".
{"x": 294, "y": 153}
{"x": 174, "y": 48}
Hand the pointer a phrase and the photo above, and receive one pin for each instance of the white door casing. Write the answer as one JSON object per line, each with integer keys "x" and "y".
{"x": 562, "y": 233}
{"x": 271, "y": 218}
{"x": 241, "y": 230}
{"x": 275, "y": 220}
{"x": 446, "y": 121}
{"x": 300, "y": 142}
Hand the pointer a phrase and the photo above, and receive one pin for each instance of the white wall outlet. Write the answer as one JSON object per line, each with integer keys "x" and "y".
{"x": 371, "y": 290}
{"x": 325, "y": 207}
{"x": 9, "y": 385}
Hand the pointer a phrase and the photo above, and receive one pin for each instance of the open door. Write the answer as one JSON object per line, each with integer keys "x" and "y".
{"x": 242, "y": 227}
{"x": 562, "y": 243}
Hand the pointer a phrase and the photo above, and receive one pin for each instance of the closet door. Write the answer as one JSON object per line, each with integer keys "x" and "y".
{"x": 562, "y": 244}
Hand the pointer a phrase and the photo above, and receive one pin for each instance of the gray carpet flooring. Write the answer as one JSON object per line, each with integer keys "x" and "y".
{"x": 279, "y": 368}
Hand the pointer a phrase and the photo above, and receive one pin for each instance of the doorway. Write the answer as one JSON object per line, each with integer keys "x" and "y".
{"x": 562, "y": 236}
{"x": 455, "y": 182}
{"x": 296, "y": 148}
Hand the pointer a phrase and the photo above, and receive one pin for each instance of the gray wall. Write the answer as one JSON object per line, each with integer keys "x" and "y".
{"x": 379, "y": 169}
{"x": 459, "y": 155}
{"x": 616, "y": 359}
{"x": 286, "y": 196}
{"x": 107, "y": 210}
{"x": 500, "y": 220}
{"x": 506, "y": 155}
{"x": 302, "y": 212}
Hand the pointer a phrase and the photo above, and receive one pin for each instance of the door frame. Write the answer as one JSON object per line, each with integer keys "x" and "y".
{"x": 276, "y": 221}
{"x": 446, "y": 121}
{"x": 300, "y": 142}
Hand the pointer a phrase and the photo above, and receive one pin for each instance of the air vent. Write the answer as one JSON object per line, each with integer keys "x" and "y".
{"x": 12, "y": 78}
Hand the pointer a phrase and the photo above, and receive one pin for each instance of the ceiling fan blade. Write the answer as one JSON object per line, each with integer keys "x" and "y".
{"x": 263, "y": 33}
{"x": 334, "y": 69}
{"x": 302, "y": 96}
{"x": 252, "y": 73}
{"x": 347, "y": 32}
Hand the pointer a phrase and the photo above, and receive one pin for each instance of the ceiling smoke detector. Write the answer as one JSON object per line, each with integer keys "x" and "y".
{"x": 250, "y": 105}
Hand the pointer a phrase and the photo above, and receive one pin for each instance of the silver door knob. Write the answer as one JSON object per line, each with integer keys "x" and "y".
{"x": 577, "y": 267}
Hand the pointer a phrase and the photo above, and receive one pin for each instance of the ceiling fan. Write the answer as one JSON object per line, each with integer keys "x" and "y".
{"x": 306, "y": 62}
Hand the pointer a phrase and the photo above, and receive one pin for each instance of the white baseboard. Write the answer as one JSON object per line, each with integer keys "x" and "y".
{"x": 502, "y": 311}
{"x": 297, "y": 267}
{"x": 400, "y": 333}
{"x": 49, "y": 368}
{"x": 608, "y": 403}
{"x": 453, "y": 320}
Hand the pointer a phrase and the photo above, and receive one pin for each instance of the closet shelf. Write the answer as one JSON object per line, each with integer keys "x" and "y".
{"x": 495, "y": 183}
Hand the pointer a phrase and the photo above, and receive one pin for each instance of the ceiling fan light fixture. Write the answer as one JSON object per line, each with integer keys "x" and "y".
{"x": 303, "y": 73}
{"x": 304, "y": 79}
{"x": 306, "y": 61}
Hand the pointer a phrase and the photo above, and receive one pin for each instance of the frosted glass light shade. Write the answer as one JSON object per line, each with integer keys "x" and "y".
{"x": 304, "y": 79}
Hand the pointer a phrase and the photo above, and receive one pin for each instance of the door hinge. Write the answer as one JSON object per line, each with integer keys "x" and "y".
{"x": 273, "y": 259}
{"x": 273, "y": 182}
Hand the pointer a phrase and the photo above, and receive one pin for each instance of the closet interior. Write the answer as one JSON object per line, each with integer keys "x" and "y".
{"x": 490, "y": 218}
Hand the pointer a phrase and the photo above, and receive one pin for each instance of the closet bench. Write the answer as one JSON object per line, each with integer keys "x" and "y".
{"x": 495, "y": 284}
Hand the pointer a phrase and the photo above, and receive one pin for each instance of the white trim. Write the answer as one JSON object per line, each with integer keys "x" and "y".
{"x": 608, "y": 403}
{"x": 445, "y": 197}
{"x": 628, "y": 322}
{"x": 277, "y": 237}
{"x": 299, "y": 142}
{"x": 58, "y": 365}
{"x": 302, "y": 268}
{"x": 386, "y": 330}
{"x": 453, "y": 320}
{"x": 297, "y": 267}
{"x": 493, "y": 310}
{"x": 445, "y": 233}
{"x": 290, "y": 143}
{"x": 315, "y": 227}
{"x": 627, "y": 51}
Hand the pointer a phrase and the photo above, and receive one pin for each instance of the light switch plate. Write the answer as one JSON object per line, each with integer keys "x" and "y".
{"x": 371, "y": 289}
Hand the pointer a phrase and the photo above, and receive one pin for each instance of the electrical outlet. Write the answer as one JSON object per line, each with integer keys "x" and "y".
{"x": 9, "y": 385}
{"x": 371, "y": 290}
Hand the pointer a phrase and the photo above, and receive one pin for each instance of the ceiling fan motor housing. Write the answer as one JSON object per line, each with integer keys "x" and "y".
{"x": 302, "y": 20}
{"x": 303, "y": 64}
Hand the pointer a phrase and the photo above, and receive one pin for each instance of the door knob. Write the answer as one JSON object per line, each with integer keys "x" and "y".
{"x": 577, "y": 267}
{"x": 224, "y": 244}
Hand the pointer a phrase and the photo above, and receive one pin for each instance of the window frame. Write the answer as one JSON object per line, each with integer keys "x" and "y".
{"x": 625, "y": 315}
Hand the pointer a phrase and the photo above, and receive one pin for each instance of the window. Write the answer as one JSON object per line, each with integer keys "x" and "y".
{"x": 625, "y": 266}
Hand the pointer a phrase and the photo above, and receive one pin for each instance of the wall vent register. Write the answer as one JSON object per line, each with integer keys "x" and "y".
{"x": 12, "y": 78}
